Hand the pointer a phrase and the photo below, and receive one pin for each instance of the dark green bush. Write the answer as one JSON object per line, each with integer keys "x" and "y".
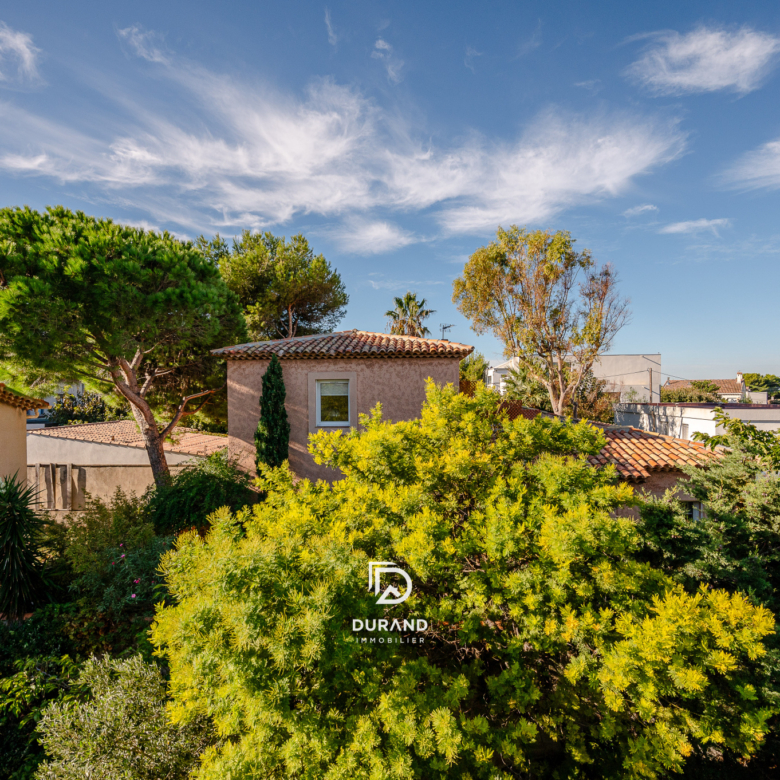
{"x": 22, "y": 585}
{"x": 196, "y": 492}
{"x": 86, "y": 407}
{"x": 122, "y": 580}
{"x": 29, "y": 656}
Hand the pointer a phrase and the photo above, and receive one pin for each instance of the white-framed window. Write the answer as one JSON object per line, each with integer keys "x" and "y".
{"x": 693, "y": 509}
{"x": 333, "y": 402}
{"x": 684, "y": 432}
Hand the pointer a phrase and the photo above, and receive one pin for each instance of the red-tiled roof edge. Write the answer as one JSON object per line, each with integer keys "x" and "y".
{"x": 355, "y": 344}
{"x": 12, "y": 398}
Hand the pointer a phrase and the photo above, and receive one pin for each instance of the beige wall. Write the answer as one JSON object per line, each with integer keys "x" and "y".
{"x": 44, "y": 448}
{"x": 13, "y": 441}
{"x": 62, "y": 487}
{"x": 397, "y": 383}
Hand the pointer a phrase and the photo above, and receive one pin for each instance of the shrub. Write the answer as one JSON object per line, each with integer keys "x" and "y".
{"x": 196, "y": 492}
{"x": 272, "y": 437}
{"x": 105, "y": 526}
{"x": 734, "y": 545}
{"x": 122, "y": 731}
{"x": 551, "y": 651}
{"x": 114, "y": 554}
{"x": 86, "y": 407}
{"x": 37, "y": 681}
{"x": 22, "y": 585}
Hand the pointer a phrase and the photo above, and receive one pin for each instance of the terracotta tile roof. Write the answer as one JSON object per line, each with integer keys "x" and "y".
{"x": 347, "y": 344}
{"x": 12, "y": 398}
{"x": 125, "y": 433}
{"x": 728, "y": 386}
{"x": 637, "y": 454}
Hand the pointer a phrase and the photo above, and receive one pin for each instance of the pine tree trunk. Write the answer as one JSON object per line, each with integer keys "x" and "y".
{"x": 154, "y": 445}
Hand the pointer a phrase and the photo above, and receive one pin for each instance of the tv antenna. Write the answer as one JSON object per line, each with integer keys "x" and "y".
{"x": 444, "y": 329}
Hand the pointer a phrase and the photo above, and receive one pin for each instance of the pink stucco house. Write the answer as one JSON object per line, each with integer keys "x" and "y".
{"x": 330, "y": 379}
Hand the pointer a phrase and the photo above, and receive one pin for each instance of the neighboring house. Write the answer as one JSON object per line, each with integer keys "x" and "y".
{"x": 630, "y": 375}
{"x": 730, "y": 390}
{"x": 331, "y": 379}
{"x": 649, "y": 461}
{"x": 68, "y": 461}
{"x": 14, "y": 412}
{"x": 684, "y": 419}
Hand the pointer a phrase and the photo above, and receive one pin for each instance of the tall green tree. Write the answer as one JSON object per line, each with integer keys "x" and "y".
{"x": 474, "y": 367}
{"x": 549, "y": 305}
{"x": 85, "y": 299}
{"x": 406, "y": 319}
{"x": 550, "y": 650}
{"x": 272, "y": 437}
{"x": 284, "y": 288}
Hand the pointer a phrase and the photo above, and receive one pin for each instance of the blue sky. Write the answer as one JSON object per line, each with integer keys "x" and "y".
{"x": 398, "y": 135}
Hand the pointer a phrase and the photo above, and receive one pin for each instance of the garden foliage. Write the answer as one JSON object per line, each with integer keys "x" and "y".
{"x": 121, "y": 730}
{"x": 190, "y": 496}
{"x": 272, "y": 437}
{"x": 86, "y": 407}
{"x": 734, "y": 545}
{"x": 553, "y": 651}
{"x": 22, "y": 586}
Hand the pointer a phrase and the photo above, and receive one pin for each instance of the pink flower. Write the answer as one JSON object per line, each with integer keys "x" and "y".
{"x": 122, "y": 556}
{"x": 136, "y": 581}
{"x": 122, "y": 545}
{"x": 133, "y": 596}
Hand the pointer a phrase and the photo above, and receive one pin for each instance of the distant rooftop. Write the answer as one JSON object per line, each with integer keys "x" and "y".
{"x": 726, "y": 386}
{"x": 125, "y": 433}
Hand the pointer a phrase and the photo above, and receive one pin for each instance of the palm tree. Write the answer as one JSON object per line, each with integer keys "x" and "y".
{"x": 407, "y": 317}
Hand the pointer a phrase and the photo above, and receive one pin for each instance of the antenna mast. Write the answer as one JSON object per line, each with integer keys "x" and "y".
{"x": 444, "y": 329}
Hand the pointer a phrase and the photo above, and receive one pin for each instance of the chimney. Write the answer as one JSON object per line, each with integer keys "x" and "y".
{"x": 740, "y": 381}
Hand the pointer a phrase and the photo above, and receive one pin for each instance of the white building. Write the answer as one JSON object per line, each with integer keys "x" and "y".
{"x": 630, "y": 375}
{"x": 684, "y": 419}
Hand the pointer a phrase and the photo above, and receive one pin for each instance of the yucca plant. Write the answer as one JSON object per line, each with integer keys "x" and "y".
{"x": 22, "y": 585}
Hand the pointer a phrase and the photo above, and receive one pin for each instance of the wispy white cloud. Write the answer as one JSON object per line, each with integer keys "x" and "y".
{"x": 696, "y": 226}
{"x": 257, "y": 158}
{"x": 636, "y": 210}
{"x": 561, "y": 161}
{"x": 594, "y": 86}
{"x": 393, "y": 65}
{"x": 370, "y": 237}
{"x": 705, "y": 60}
{"x": 18, "y": 56}
{"x": 758, "y": 169}
{"x": 471, "y": 54}
{"x": 380, "y": 282}
{"x": 333, "y": 39}
{"x": 144, "y": 43}
{"x": 532, "y": 43}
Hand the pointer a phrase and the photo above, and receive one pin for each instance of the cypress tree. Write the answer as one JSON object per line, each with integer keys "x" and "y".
{"x": 272, "y": 437}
